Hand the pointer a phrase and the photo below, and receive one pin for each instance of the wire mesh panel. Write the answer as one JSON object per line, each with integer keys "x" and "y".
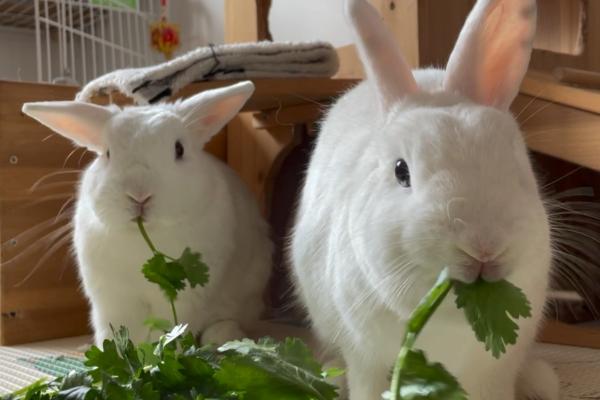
{"x": 78, "y": 40}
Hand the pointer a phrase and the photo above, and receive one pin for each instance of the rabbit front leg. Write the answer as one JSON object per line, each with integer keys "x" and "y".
{"x": 366, "y": 380}
{"x": 493, "y": 385}
{"x": 119, "y": 311}
{"x": 221, "y": 332}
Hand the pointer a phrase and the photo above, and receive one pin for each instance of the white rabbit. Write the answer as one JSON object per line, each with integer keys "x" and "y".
{"x": 151, "y": 163}
{"x": 414, "y": 171}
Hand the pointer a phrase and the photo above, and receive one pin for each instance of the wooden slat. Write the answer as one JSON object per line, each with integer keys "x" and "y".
{"x": 275, "y": 93}
{"x": 402, "y": 19}
{"x": 350, "y": 65}
{"x": 560, "y": 27}
{"x": 289, "y": 116}
{"x": 590, "y": 56}
{"x": 570, "y": 335}
{"x": 543, "y": 86}
{"x": 560, "y": 131}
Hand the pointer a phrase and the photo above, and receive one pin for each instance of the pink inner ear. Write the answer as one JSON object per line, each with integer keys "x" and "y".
{"x": 210, "y": 119}
{"x": 493, "y": 51}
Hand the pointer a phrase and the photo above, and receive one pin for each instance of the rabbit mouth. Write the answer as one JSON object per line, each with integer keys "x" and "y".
{"x": 469, "y": 272}
{"x": 139, "y": 206}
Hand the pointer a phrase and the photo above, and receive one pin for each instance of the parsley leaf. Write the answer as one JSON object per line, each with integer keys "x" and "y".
{"x": 107, "y": 362}
{"x": 490, "y": 308}
{"x": 158, "y": 324}
{"x": 421, "y": 380}
{"x": 168, "y": 276}
{"x": 196, "y": 271}
{"x": 267, "y": 370}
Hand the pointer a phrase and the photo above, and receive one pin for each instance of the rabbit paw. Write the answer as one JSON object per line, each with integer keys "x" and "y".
{"x": 538, "y": 381}
{"x": 222, "y": 332}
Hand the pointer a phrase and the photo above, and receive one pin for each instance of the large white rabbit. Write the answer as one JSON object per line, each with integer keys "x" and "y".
{"x": 151, "y": 163}
{"x": 414, "y": 171}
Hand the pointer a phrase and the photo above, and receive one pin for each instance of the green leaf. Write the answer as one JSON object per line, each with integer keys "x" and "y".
{"x": 196, "y": 271}
{"x": 170, "y": 372}
{"x": 74, "y": 379}
{"x": 168, "y": 276}
{"x": 195, "y": 368}
{"x": 285, "y": 370}
{"x": 113, "y": 390}
{"x": 107, "y": 362}
{"x": 145, "y": 391}
{"x": 146, "y": 354}
{"x": 490, "y": 308}
{"x": 158, "y": 324}
{"x": 78, "y": 393}
{"x": 421, "y": 380}
{"x": 168, "y": 338}
{"x": 333, "y": 372}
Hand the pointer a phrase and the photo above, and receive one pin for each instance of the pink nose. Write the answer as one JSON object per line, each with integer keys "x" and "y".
{"x": 141, "y": 200}
{"x": 140, "y": 203}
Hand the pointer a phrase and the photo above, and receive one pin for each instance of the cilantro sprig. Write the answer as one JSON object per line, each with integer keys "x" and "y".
{"x": 176, "y": 367}
{"x": 171, "y": 274}
{"x": 489, "y": 307}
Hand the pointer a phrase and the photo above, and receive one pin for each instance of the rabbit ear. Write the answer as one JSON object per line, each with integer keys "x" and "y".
{"x": 381, "y": 55}
{"x": 81, "y": 122}
{"x": 493, "y": 50}
{"x": 209, "y": 111}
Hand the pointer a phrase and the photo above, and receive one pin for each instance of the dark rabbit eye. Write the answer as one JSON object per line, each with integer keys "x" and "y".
{"x": 178, "y": 150}
{"x": 107, "y": 153}
{"x": 402, "y": 173}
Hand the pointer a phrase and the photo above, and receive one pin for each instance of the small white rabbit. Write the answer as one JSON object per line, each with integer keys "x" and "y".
{"x": 151, "y": 163}
{"x": 414, "y": 171}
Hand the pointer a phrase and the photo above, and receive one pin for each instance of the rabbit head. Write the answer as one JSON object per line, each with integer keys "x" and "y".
{"x": 150, "y": 158}
{"x": 451, "y": 184}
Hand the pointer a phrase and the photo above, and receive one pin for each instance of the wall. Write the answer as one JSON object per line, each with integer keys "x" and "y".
{"x": 310, "y": 20}
{"x": 17, "y": 49}
{"x": 201, "y": 23}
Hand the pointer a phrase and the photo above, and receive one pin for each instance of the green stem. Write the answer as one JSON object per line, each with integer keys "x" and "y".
{"x": 416, "y": 322}
{"x": 140, "y": 224}
{"x": 174, "y": 312}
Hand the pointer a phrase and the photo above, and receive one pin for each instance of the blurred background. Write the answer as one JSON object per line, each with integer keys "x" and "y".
{"x": 73, "y": 41}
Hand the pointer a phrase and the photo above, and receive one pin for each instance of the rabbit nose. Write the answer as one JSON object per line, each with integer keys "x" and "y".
{"x": 139, "y": 200}
{"x": 484, "y": 264}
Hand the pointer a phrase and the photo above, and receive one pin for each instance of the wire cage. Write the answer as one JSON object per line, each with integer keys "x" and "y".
{"x": 79, "y": 40}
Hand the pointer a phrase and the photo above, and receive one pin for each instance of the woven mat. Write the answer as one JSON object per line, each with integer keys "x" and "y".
{"x": 578, "y": 368}
{"x": 24, "y": 364}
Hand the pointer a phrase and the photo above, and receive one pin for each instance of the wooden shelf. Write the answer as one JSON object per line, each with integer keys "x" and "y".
{"x": 560, "y": 120}
{"x": 546, "y": 87}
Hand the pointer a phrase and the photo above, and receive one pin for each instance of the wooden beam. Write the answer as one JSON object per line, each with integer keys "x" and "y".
{"x": 556, "y": 332}
{"x": 560, "y": 26}
{"x": 560, "y": 131}
{"x": 402, "y": 19}
{"x": 543, "y": 86}
{"x": 246, "y": 20}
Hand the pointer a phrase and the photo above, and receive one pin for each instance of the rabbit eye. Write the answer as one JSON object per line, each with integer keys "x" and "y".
{"x": 178, "y": 150}
{"x": 402, "y": 173}
{"x": 107, "y": 153}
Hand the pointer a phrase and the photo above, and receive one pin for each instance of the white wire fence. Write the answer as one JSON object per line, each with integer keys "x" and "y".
{"x": 79, "y": 40}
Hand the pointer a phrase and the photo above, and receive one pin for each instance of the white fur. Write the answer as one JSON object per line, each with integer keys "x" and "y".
{"x": 197, "y": 202}
{"x": 365, "y": 249}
